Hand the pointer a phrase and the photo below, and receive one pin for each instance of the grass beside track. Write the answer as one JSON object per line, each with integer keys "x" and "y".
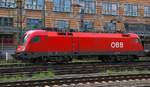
{"x": 10, "y": 61}
{"x": 35, "y": 76}
{"x": 125, "y": 72}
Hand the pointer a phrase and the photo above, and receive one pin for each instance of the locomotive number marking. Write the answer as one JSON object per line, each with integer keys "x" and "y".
{"x": 117, "y": 44}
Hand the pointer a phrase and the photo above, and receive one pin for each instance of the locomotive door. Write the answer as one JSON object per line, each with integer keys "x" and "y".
{"x": 75, "y": 45}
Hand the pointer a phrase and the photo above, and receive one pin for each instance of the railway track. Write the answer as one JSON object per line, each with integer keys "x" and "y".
{"x": 73, "y": 68}
{"x": 70, "y": 64}
{"x": 73, "y": 80}
{"x": 17, "y": 65}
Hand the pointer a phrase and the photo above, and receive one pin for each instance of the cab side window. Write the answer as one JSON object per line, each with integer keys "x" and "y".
{"x": 35, "y": 39}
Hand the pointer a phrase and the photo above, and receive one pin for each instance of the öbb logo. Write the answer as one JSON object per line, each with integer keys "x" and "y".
{"x": 117, "y": 44}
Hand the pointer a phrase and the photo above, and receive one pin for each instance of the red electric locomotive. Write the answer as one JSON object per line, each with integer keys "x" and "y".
{"x": 63, "y": 47}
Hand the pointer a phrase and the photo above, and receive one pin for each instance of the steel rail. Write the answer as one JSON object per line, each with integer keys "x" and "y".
{"x": 75, "y": 80}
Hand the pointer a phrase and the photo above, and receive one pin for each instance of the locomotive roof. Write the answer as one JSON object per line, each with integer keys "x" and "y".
{"x": 33, "y": 31}
{"x": 82, "y": 34}
{"x": 104, "y": 35}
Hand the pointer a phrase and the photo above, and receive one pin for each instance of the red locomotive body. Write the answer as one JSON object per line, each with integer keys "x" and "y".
{"x": 59, "y": 46}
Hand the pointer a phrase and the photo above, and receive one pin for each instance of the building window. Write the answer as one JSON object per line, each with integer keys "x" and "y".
{"x": 62, "y": 24}
{"x": 34, "y": 23}
{"x": 7, "y": 3}
{"x": 109, "y": 8}
{"x": 87, "y": 26}
{"x": 141, "y": 28}
{"x": 34, "y": 4}
{"x": 62, "y": 5}
{"x": 110, "y": 27}
{"x": 6, "y": 21}
{"x": 89, "y": 6}
{"x": 147, "y": 11}
{"x": 6, "y": 39}
{"x": 130, "y": 10}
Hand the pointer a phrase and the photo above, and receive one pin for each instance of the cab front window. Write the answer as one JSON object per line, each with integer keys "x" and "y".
{"x": 24, "y": 39}
{"x": 138, "y": 40}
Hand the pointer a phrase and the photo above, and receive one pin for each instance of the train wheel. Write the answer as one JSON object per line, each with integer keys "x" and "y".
{"x": 112, "y": 59}
{"x": 37, "y": 60}
{"x": 105, "y": 59}
{"x": 122, "y": 58}
{"x": 67, "y": 59}
{"x": 33, "y": 60}
{"x": 44, "y": 59}
{"x": 128, "y": 58}
{"x": 133, "y": 58}
{"x": 64, "y": 59}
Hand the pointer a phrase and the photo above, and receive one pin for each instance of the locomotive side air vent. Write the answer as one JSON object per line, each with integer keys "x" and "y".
{"x": 69, "y": 34}
{"x": 61, "y": 33}
{"x": 125, "y": 35}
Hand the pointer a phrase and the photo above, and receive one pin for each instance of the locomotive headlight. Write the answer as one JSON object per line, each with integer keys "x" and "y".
{"x": 20, "y": 48}
{"x": 23, "y": 48}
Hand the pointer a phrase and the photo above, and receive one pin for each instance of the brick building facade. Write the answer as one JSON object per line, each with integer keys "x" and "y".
{"x": 78, "y": 15}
